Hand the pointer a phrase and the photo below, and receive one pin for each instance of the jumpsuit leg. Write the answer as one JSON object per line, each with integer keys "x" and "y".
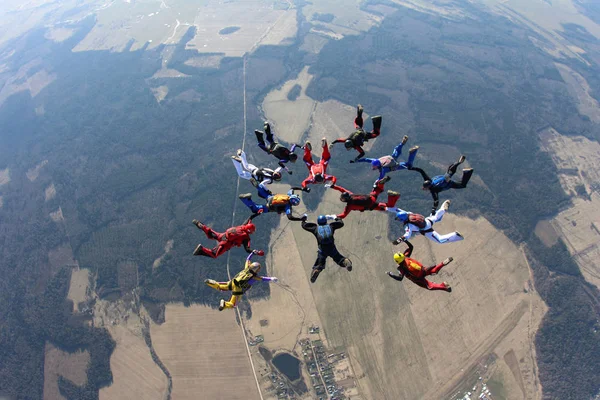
{"x": 263, "y": 191}
{"x": 341, "y": 260}
{"x": 325, "y": 157}
{"x": 255, "y": 208}
{"x": 463, "y": 183}
{"x": 447, "y": 238}
{"x": 392, "y": 199}
{"x": 437, "y": 217}
{"x": 411, "y": 158}
{"x": 451, "y": 170}
{"x": 232, "y": 301}
{"x": 216, "y": 251}
{"x": 261, "y": 140}
{"x": 211, "y": 234}
{"x": 223, "y": 286}
{"x": 242, "y": 173}
{"x": 424, "y": 283}
{"x": 308, "y": 160}
{"x": 397, "y": 151}
{"x": 320, "y": 261}
{"x": 269, "y": 133}
{"x": 434, "y": 269}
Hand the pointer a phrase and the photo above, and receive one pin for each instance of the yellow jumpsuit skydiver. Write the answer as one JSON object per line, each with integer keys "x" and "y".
{"x": 240, "y": 283}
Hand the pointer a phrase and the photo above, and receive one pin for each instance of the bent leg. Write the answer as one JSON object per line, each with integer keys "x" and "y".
{"x": 255, "y": 208}
{"x": 447, "y": 238}
{"x": 263, "y": 191}
{"x": 232, "y": 301}
{"x": 397, "y": 151}
{"x": 434, "y": 286}
{"x": 411, "y": 157}
{"x": 434, "y": 269}
{"x": 211, "y": 234}
{"x": 437, "y": 217}
{"x": 392, "y": 199}
{"x": 242, "y": 173}
{"x": 307, "y": 158}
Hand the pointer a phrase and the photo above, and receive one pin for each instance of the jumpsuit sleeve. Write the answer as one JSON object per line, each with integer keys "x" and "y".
{"x": 309, "y": 226}
{"x": 290, "y": 215}
{"x": 293, "y": 148}
{"x": 306, "y": 182}
{"x": 408, "y": 251}
{"x": 246, "y": 244}
{"x": 361, "y": 153}
{"x": 436, "y": 201}
{"x": 341, "y": 140}
{"x": 248, "y": 259}
{"x": 337, "y": 224}
{"x": 423, "y": 174}
{"x": 407, "y": 232}
{"x": 366, "y": 160}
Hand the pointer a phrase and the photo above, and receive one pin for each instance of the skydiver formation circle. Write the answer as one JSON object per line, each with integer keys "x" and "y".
{"x": 323, "y": 230}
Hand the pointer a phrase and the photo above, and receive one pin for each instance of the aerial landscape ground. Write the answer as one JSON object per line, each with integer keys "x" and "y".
{"x": 119, "y": 119}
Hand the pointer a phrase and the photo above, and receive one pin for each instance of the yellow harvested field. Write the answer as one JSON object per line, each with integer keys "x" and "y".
{"x": 290, "y": 119}
{"x": 580, "y": 91}
{"x": 71, "y": 366}
{"x": 80, "y": 281}
{"x": 135, "y": 374}
{"x": 577, "y": 159}
{"x": 204, "y": 351}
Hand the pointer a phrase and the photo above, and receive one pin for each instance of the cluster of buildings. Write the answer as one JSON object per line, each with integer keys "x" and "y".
{"x": 282, "y": 389}
{"x": 320, "y": 366}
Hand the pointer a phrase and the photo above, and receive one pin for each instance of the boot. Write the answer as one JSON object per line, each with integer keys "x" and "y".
{"x": 448, "y": 260}
{"x": 383, "y": 180}
{"x": 259, "y": 135}
{"x": 314, "y": 275}
{"x": 413, "y": 149}
{"x": 359, "y": 111}
{"x": 245, "y": 196}
{"x": 199, "y": 251}
{"x": 404, "y": 139}
{"x": 459, "y": 235}
{"x": 448, "y": 287}
{"x": 376, "y": 122}
{"x": 324, "y": 142}
{"x": 467, "y": 172}
{"x": 396, "y": 277}
{"x": 462, "y": 159}
{"x": 239, "y": 152}
{"x": 348, "y": 264}
{"x": 237, "y": 158}
{"x": 392, "y": 193}
{"x": 211, "y": 282}
{"x": 253, "y": 182}
{"x": 221, "y": 305}
{"x": 267, "y": 128}
{"x": 198, "y": 224}
{"x": 308, "y": 146}
{"x": 446, "y": 205}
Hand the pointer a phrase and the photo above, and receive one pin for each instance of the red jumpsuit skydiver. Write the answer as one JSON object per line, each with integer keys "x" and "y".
{"x": 235, "y": 236}
{"x": 367, "y": 202}
{"x": 414, "y": 270}
{"x": 317, "y": 172}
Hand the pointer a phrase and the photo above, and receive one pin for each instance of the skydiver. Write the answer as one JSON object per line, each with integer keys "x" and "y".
{"x": 418, "y": 223}
{"x": 444, "y": 182}
{"x": 240, "y": 283}
{"x": 414, "y": 270}
{"x": 259, "y": 177}
{"x": 359, "y": 136}
{"x": 278, "y": 203}
{"x": 235, "y": 236}
{"x": 317, "y": 172}
{"x": 324, "y": 233}
{"x": 390, "y": 163}
{"x": 282, "y": 153}
{"x": 367, "y": 202}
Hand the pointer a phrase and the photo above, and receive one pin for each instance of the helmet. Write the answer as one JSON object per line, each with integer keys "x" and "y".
{"x": 427, "y": 184}
{"x": 254, "y": 267}
{"x": 345, "y": 197}
{"x": 319, "y": 178}
{"x": 250, "y": 228}
{"x": 376, "y": 164}
{"x": 293, "y": 157}
{"x": 295, "y": 199}
{"x": 402, "y": 216}
{"x": 399, "y": 257}
{"x": 276, "y": 176}
{"x": 322, "y": 220}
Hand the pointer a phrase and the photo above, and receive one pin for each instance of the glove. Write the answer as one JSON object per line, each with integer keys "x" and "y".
{"x": 306, "y": 189}
{"x": 328, "y": 185}
{"x": 352, "y": 161}
{"x": 396, "y": 242}
{"x": 195, "y": 221}
{"x": 304, "y": 217}
{"x": 274, "y": 279}
{"x": 290, "y": 172}
{"x": 259, "y": 252}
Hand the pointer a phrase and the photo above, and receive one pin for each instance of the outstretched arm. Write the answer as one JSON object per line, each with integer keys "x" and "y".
{"x": 366, "y": 160}
{"x": 290, "y": 215}
{"x": 409, "y": 250}
{"x": 246, "y": 244}
{"x": 340, "y": 140}
{"x": 423, "y": 173}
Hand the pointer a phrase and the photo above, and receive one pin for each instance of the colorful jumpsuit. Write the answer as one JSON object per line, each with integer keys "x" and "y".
{"x": 263, "y": 176}
{"x": 390, "y": 163}
{"x": 273, "y": 204}
{"x": 418, "y": 223}
{"x": 317, "y": 169}
{"x": 414, "y": 270}
{"x": 326, "y": 242}
{"x": 360, "y": 136}
{"x": 281, "y": 152}
{"x": 368, "y": 202}
{"x": 236, "y": 287}
{"x": 444, "y": 182}
{"x": 236, "y": 236}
